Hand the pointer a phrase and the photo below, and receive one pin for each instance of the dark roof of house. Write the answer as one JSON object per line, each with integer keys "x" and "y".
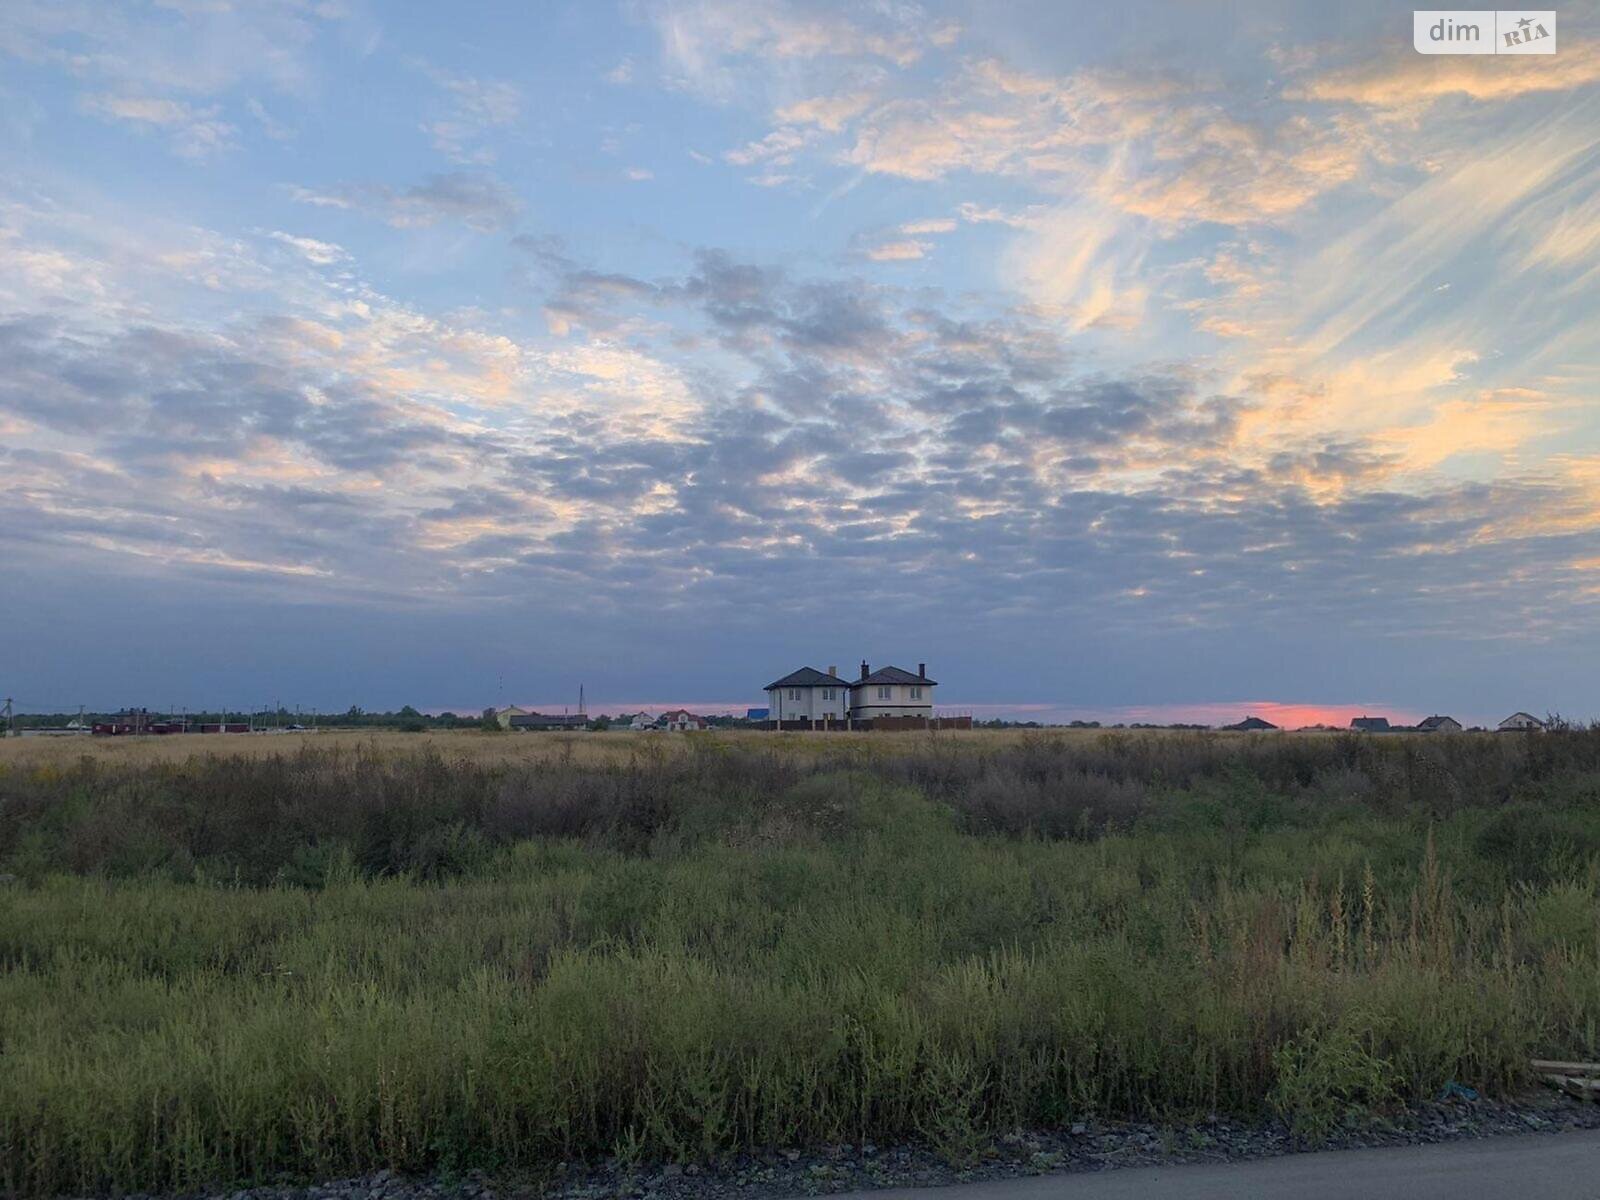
{"x": 893, "y": 675}
{"x": 1434, "y": 722}
{"x": 1369, "y": 722}
{"x": 524, "y": 720}
{"x": 1251, "y": 723}
{"x": 807, "y": 677}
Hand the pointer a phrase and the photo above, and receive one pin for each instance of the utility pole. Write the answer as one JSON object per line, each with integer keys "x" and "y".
{"x": 11, "y": 720}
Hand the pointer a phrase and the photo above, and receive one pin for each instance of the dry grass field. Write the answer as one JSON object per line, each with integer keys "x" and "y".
{"x": 477, "y": 746}
{"x": 231, "y": 958}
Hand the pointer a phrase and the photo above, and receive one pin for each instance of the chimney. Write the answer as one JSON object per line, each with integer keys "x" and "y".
{"x": 865, "y": 670}
{"x": 922, "y": 670}
{"x": 833, "y": 671}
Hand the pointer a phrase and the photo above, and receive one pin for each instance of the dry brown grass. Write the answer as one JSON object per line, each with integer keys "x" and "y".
{"x": 472, "y": 745}
{"x": 476, "y": 746}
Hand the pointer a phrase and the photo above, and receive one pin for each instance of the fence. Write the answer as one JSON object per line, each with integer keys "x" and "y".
{"x": 899, "y": 724}
{"x": 880, "y": 724}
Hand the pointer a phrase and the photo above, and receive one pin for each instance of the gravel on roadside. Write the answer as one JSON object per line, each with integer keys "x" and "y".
{"x": 1087, "y": 1145}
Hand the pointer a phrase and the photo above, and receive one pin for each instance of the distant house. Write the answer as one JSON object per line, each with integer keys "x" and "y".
{"x": 502, "y": 716}
{"x": 1251, "y": 723}
{"x": 1521, "y": 722}
{"x": 529, "y": 722}
{"x": 639, "y": 720}
{"x": 808, "y": 695}
{"x": 1370, "y": 724}
{"x": 891, "y": 692}
{"x": 680, "y": 719}
{"x": 1439, "y": 725}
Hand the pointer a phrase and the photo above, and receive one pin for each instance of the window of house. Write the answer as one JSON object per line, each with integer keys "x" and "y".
{"x": 916, "y": 693}
{"x": 794, "y": 693}
{"x": 883, "y": 693}
{"x": 827, "y": 693}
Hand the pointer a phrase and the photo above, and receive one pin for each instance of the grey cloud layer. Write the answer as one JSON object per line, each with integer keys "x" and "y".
{"x": 904, "y": 454}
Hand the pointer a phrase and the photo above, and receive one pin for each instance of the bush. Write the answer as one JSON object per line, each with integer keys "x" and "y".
{"x": 1324, "y": 1077}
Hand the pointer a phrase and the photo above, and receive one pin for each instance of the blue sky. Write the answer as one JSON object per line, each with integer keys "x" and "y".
{"x": 1139, "y": 361}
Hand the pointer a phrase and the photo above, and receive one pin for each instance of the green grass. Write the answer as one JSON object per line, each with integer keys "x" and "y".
{"x": 743, "y": 953}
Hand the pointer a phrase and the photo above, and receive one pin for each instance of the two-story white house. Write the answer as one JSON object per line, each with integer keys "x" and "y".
{"x": 808, "y": 695}
{"x": 891, "y": 692}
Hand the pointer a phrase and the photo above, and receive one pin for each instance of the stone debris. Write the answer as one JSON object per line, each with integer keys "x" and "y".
{"x": 1079, "y": 1145}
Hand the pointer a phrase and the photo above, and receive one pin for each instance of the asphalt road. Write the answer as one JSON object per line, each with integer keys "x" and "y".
{"x": 1563, "y": 1166}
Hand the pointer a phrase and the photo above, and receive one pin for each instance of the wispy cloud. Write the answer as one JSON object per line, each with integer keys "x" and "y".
{"x": 480, "y": 202}
{"x": 1414, "y": 81}
{"x": 194, "y": 132}
{"x": 474, "y": 109}
{"x": 901, "y": 251}
{"x": 321, "y": 253}
{"x": 710, "y": 46}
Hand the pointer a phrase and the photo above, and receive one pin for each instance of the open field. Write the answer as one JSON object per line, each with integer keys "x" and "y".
{"x": 330, "y": 955}
{"x": 476, "y": 746}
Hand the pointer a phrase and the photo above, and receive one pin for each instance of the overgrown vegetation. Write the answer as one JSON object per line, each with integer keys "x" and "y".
{"x": 337, "y": 959}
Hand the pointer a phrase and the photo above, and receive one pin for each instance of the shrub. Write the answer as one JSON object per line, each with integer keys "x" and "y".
{"x": 1323, "y": 1077}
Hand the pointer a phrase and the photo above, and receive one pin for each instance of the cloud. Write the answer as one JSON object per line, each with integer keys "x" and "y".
{"x": 777, "y": 149}
{"x": 192, "y": 50}
{"x": 1414, "y": 81}
{"x": 830, "y": 113}
{"x": 366, "y": 453}
{"x": 475, "y": 109}
{"x": 910, "y": 245}
{"x": 713, "y": 47}
{"x": 1568, "y": 238}
{"x": 1182, "y": 156}
{"x": 320, "y": 253}
{"x": 901, "y": 251}
{"x": 480, "y": 202}
{"x": 271, "y": 126}
{"x": 977, "y": 214}
{"x": 195, "y": 132}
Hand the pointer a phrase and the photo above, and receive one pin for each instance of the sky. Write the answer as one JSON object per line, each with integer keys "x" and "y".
{"x": 1150, "y": 361}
